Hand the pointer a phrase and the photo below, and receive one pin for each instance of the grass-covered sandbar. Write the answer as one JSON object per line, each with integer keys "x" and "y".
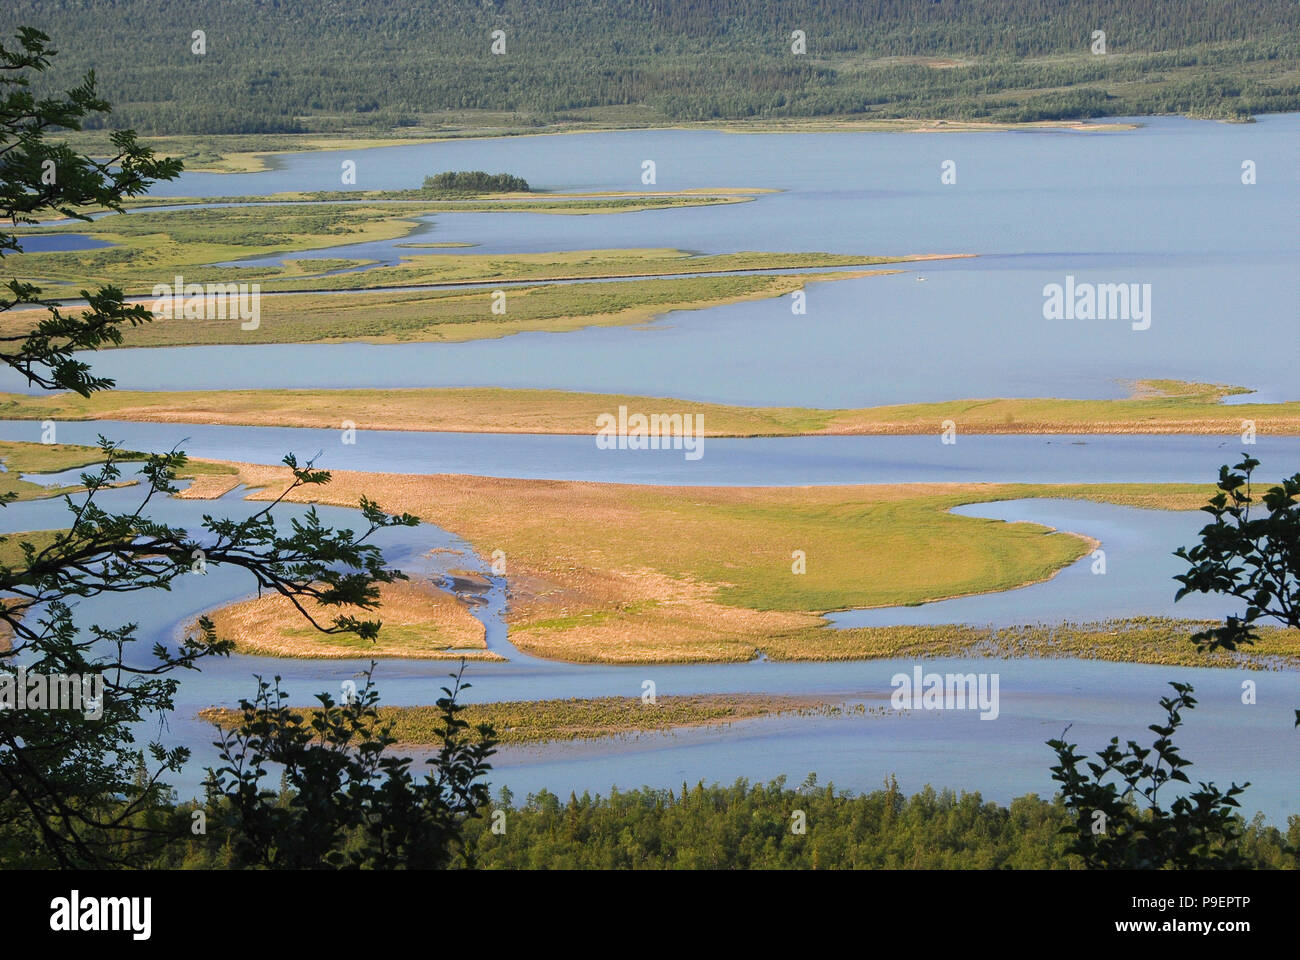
{"x": 420, "y": 621}
{"x": 148, "y": 247}
{"x": 522, "y": 722}
{"x": 456, "y": 315}
{"x": 621, "y": 573}
{"x": 1155, "y": 407}
{"x": 529, "y": 722}
{"x": 1164, "y": 641}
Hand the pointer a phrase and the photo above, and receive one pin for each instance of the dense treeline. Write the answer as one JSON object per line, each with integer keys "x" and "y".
{"x": 748, "y": 826}
{"x": 743, "y": 826}
{"x": 474, "y": 181}
{"x": 279, "y": 66}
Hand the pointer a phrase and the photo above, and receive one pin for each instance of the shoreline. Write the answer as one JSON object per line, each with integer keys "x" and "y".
{"x": 262, "y": 161}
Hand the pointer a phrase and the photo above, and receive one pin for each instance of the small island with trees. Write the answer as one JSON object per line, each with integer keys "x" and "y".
{"x": 474, "y": 182}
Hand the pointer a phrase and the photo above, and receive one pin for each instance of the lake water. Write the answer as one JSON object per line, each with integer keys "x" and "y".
{"x": 1038, "y": 698}
{"x": 970, "y": 331}
{"x": 1161, "y": 205}
{"x": 1134, "y": 577}
{"x": 1171, "y": 187}
{"x": 753, "y": 461}
{"x": 45, "y": 243}
{"x": 1002, "y": 758}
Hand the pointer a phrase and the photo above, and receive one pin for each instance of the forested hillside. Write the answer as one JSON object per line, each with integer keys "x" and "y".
{"x": 306, "y": 65}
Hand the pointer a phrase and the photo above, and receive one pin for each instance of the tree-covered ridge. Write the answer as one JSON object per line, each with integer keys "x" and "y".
{"x": 275, "y": 66}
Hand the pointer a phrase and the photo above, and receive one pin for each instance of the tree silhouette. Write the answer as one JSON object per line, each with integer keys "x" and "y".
{"x": 76, "y": 790}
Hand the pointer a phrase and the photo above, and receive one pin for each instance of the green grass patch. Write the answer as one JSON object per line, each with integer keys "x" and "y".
{"x": 458, "y": 315}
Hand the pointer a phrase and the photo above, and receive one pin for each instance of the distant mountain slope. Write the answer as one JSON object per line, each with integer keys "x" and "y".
{"x": 286, "y": 65}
